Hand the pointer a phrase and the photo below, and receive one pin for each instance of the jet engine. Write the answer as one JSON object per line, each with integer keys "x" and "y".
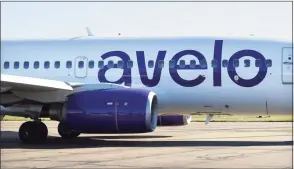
{"x": 115, "y": 110}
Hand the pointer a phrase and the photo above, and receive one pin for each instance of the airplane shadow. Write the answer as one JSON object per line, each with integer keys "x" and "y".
{"x": 97, "y": 141}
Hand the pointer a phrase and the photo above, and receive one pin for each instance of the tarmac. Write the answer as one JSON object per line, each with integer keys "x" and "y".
{"x": 216, "y": 145}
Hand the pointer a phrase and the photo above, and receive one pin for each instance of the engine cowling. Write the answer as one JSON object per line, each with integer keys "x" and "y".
{"x": 174, "y": 120}
{"x": 118, "y": 110}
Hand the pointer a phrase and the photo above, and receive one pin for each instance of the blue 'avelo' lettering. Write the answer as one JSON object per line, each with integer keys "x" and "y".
{"x": 176, "y": 77}
{"x": 247, "y": 82}
{"x": 217, "y": 56}
{"x": 127, "y": 73}
{"x": 217, "y": 70}
{"x": 143, "y": 72}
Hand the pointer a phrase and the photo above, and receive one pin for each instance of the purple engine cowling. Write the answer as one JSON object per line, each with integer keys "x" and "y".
{"x": 116, "y": 110}
{"x": 174, "y": 120}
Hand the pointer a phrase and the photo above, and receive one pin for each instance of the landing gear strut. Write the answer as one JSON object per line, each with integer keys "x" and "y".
{"x": 65, "y": 131}
{"x": 33, "y": 132}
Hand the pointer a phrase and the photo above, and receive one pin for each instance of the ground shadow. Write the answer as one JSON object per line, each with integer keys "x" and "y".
{"x": 97, "y": 141}
{"x": 127, "y": 137}
{"x": 13, "y": 134}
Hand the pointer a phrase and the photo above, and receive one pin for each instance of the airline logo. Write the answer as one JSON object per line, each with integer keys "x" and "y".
{"x": 217, "y": 79}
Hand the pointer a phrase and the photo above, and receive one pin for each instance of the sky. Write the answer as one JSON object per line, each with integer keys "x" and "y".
{"x": 33, "y": 20}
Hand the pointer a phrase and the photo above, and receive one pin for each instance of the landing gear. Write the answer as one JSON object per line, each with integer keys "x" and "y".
{"x": 65, "y": 131}
{"x": 33, "y": 132}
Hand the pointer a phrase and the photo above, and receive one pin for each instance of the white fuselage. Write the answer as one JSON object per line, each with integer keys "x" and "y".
{"x": 218, "y": 93}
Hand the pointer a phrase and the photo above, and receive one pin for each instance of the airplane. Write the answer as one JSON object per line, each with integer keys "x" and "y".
{"x": 132, "y": 85}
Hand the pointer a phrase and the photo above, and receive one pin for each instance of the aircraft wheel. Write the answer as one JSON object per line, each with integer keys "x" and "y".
{"x": 65, "y": 132}
{"x": 33, "y": 132}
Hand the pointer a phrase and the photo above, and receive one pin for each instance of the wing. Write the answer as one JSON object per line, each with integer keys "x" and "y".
{"x": 29, "y": 84}
{"x": 42, "y": 90}
{"x": 20, "y": 94}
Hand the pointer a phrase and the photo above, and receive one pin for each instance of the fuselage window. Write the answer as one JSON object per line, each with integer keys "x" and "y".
{"x": 68, "y": 64}
{"x": 182, "y": 64}
{"x": 172, "y": 64}
{"x": 257, "y": 62}
{"x": 203, "y": 64}
{"x": 150, "y": 63}
{"x": 214, "y": 63}
{"x": 120, "y": 64}
{"x": 225, "y": 63}
{"x": 161, "y": 64}
{"x": 101, "y": 64}
{"x": 130, "y": 64}
{"x": 236, "y": 63}
{"x": 36, "y": 65}
{"x": 46, "y": 64}
{"x": 26, "y": 64}
{"x": 110, "y": 64}
{"x": 6, "y": 65}
{"x": 247, "y": 63}
{"x": 91, "y": 64}
{"x": 268, "y": 63}
{"x": 192, "y": 64}
{"x": 16, "y": 65}
{"x": 81, "y": 64}
{"x": 57, "y": 64}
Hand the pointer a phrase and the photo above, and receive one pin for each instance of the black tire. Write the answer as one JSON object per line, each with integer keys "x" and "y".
{"x": 41, "y": 132}
{"x": 25, "y": 132}
{"x": 65, "y": 131}
{"x": 32, "y": 132}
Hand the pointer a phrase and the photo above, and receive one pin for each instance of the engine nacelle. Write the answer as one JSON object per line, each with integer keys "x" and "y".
{"x": 56, "y": 111}
{"x": 174, "y": 120}
{"x": 119, "y": 110}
